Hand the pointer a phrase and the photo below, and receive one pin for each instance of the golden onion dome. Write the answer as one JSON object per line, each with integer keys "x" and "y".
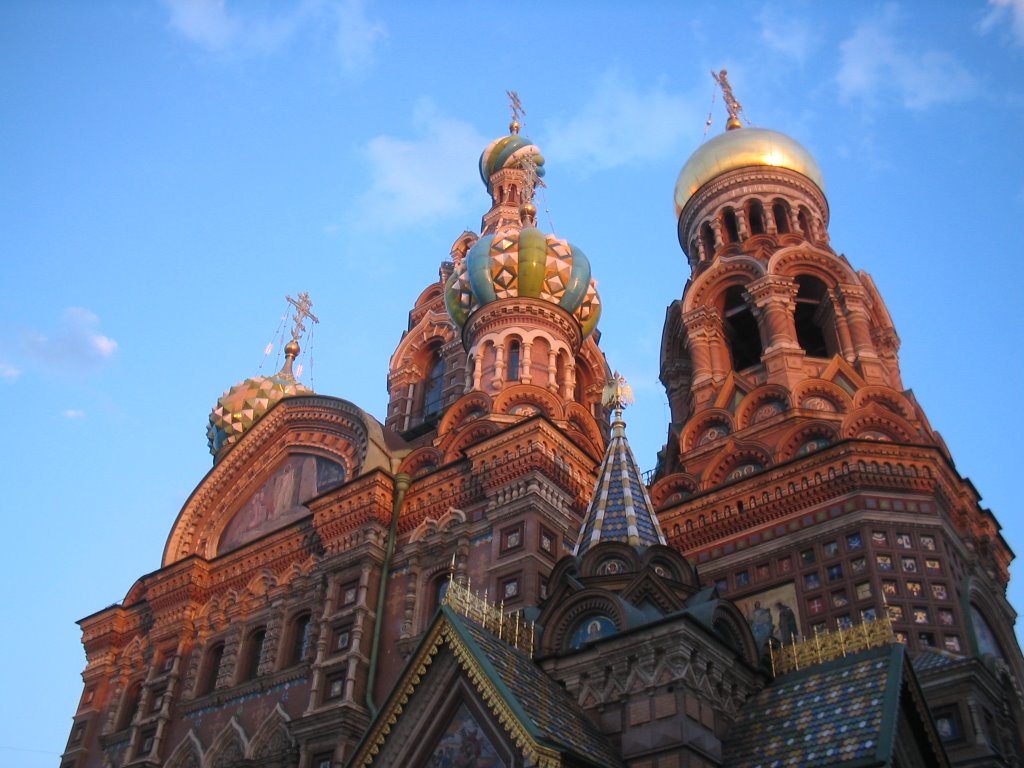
{"x": 743, "y": 148}
{"x": 244, "y": 404}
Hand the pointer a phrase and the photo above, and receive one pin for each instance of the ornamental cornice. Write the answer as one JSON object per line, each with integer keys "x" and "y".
{"x": 769, "y": 288}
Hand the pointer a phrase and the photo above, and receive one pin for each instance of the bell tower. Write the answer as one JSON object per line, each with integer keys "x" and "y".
{"x": 799, "y": 472}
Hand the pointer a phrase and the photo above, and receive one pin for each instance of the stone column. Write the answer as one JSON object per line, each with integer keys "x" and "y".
{"x": 525, "y": 374}
{"x": 775, "y": 300}
{"x": 553, "y": 370}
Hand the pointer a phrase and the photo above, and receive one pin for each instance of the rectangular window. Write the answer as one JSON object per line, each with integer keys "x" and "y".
{"x": 932, "y": 566}
{"x": 839, "y": 599}
{"x": 807, "y": 557}
{"x": 722, "y": 585}
{"x": 510, "y": 588}
{"x": 349, "y": 593}
{"x": 831, "y": 548}
{"x": 928, "y": 542}
{"x": 952, "y": 643}
{"x": 342, "y": 638}
{"x": 547, "y": 542}
{"x": 854, "y": 542}
{"x": 742, "y": 579}
{"x": 926, "y": 639}
{"x": 844, "y": 621}
{"x": 146, "y": 745}
{"x": 901, "y": 636}
{"x": 335, "y": 685}
{"x": 835, "y": 572}
{"x": 815, "y": 605}
{"x": 879, "y": 538}
{"x": 864, "y": 590}
{"x": 812, "y": 581}
{"x": 921, "y": 615}
{"x": 868, "y": 614}
{"x": 858, "y": 565}
{"x": 763, "y": 572}
{"x": 903, "y": 541}
{"x": 77, "y": 733}
{"x": 908, "y": 564}
{"x": 914, "y": 589}
{"x": 323, "y": 760}
{"x": 512, "y": 538}
{"x": 895, "y": 612}
{"x": 785, "y": 565}
{"x": 946, "y": 617}
{"x": 890, "y": 588}
{"x": 884, "y": 562}
{"x": 939, "y": 592}
{"x": 947, "y": 722}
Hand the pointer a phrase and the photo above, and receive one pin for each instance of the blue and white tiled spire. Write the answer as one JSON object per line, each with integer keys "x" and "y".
{"x": 620, "y": 509}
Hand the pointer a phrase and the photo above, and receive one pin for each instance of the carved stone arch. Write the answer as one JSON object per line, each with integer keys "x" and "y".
{"x": 465, "y": 437}
{"x": 470, "y": 406}
{"x": 647, "y": 589}
{"x": 698, "y": 431}
{"x": 731, "y": 626}
{"x": 315, "y": 424}
{"x": 873, "y": 423}
{"x": 672, "y": 564}
{"x": 887, "y": 398}
{"x": 821, "y": 395}
{"x": 527, "y": 396}
{"x": 136, "y": 594}
{"x": 735, "y": 455}
{"x": 583, "y": 603}
{"x": 273, "y": 737}
{"x": 673, "y": 489}
{"x": 260, "y": 586}
{"x": 434, "y": 331}
{"x": 134, "y": 652}
{"x": 229, "y": 747}
{"x": 798, "y": 441}
{"x": 581, "y": 421}
{"x": 429, "y": 525}
{"x": 749, "y": 406}
{"x": 188, "y": 753}
{"x": 462, "y": 244}
{"x": 596, "y": 557}
{"x": 807, "y": 259}
{"x": 727, "y": 272}
{"x": 421, "y": 461}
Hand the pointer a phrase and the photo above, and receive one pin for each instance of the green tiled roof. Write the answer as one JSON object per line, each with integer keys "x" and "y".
{"x": 840, "y": 713}
{"x": 541, "y": 704}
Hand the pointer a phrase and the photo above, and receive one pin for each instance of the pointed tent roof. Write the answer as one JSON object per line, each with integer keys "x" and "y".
{"x": 534, "y": 710}
{"x": 620, "y": 508}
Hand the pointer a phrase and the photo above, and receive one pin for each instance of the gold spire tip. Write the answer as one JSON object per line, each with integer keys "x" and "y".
{"x": 617, "y": 392}
{"x": 731, "y": 102}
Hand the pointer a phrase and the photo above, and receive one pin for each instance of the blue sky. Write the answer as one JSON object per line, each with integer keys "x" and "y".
{"x": 172, "y": 169}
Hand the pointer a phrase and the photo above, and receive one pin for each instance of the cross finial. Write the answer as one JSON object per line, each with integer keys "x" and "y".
{"x": 516, "y": 107}
{"x": 731, "y": 103}
{"x": 302, "y": 307}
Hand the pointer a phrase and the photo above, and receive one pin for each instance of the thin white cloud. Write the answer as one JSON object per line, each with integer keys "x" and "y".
{"x": 788, "y": 35}
{"x": 73, "y": 413}
{"x": 997, "y": 14}
{"x": 8, "y": 371}
{"x": 357, "y": 36}
{"x": 878, "y": 65}
{"x": 212, "y": 25}
{"x": 622, "y": 123}
{"x": 77, "y": 343}
{"x": 417, "y": 179}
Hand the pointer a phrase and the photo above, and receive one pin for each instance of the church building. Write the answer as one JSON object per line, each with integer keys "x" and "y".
{"x": 486, "y": 579}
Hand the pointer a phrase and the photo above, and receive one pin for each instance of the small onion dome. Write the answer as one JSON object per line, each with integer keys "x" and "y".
{"x": 246, "y": 403}
{"x": 743, "y": 148}
{"x": 527, "y": 263}
{"x": 508, "y": 152}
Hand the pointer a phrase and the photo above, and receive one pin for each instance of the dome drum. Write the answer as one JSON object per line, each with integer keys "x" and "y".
{"x": 787, "y": 205}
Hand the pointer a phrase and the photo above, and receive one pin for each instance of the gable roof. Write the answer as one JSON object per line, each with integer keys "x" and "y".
{"x": 535, "y": 712}
{"x": 844, "y": 712}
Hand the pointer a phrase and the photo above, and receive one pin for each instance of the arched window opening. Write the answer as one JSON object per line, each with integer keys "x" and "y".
{"x": 694, "y": 251}
{"x": 707, "y": 236}
{"x": 755, "y": 217}
{"x": 253, "y": 652}
{"x": 741, "y": 330}
{"x": 812, "y": 318}
{"x": 129, "y": 707}
{"x": 211, "y": 669}
{"x": 302, "y": 629}
{"x": 730, "y": 227}
{"x": 513, "y": 361}
{"x": 781, "y": 214}
{"x": 804, "y": 219}
{"x": 433, "y": 386}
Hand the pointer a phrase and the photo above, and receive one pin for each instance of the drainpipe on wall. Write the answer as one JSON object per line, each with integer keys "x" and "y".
{"x": 402, "y": 481}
